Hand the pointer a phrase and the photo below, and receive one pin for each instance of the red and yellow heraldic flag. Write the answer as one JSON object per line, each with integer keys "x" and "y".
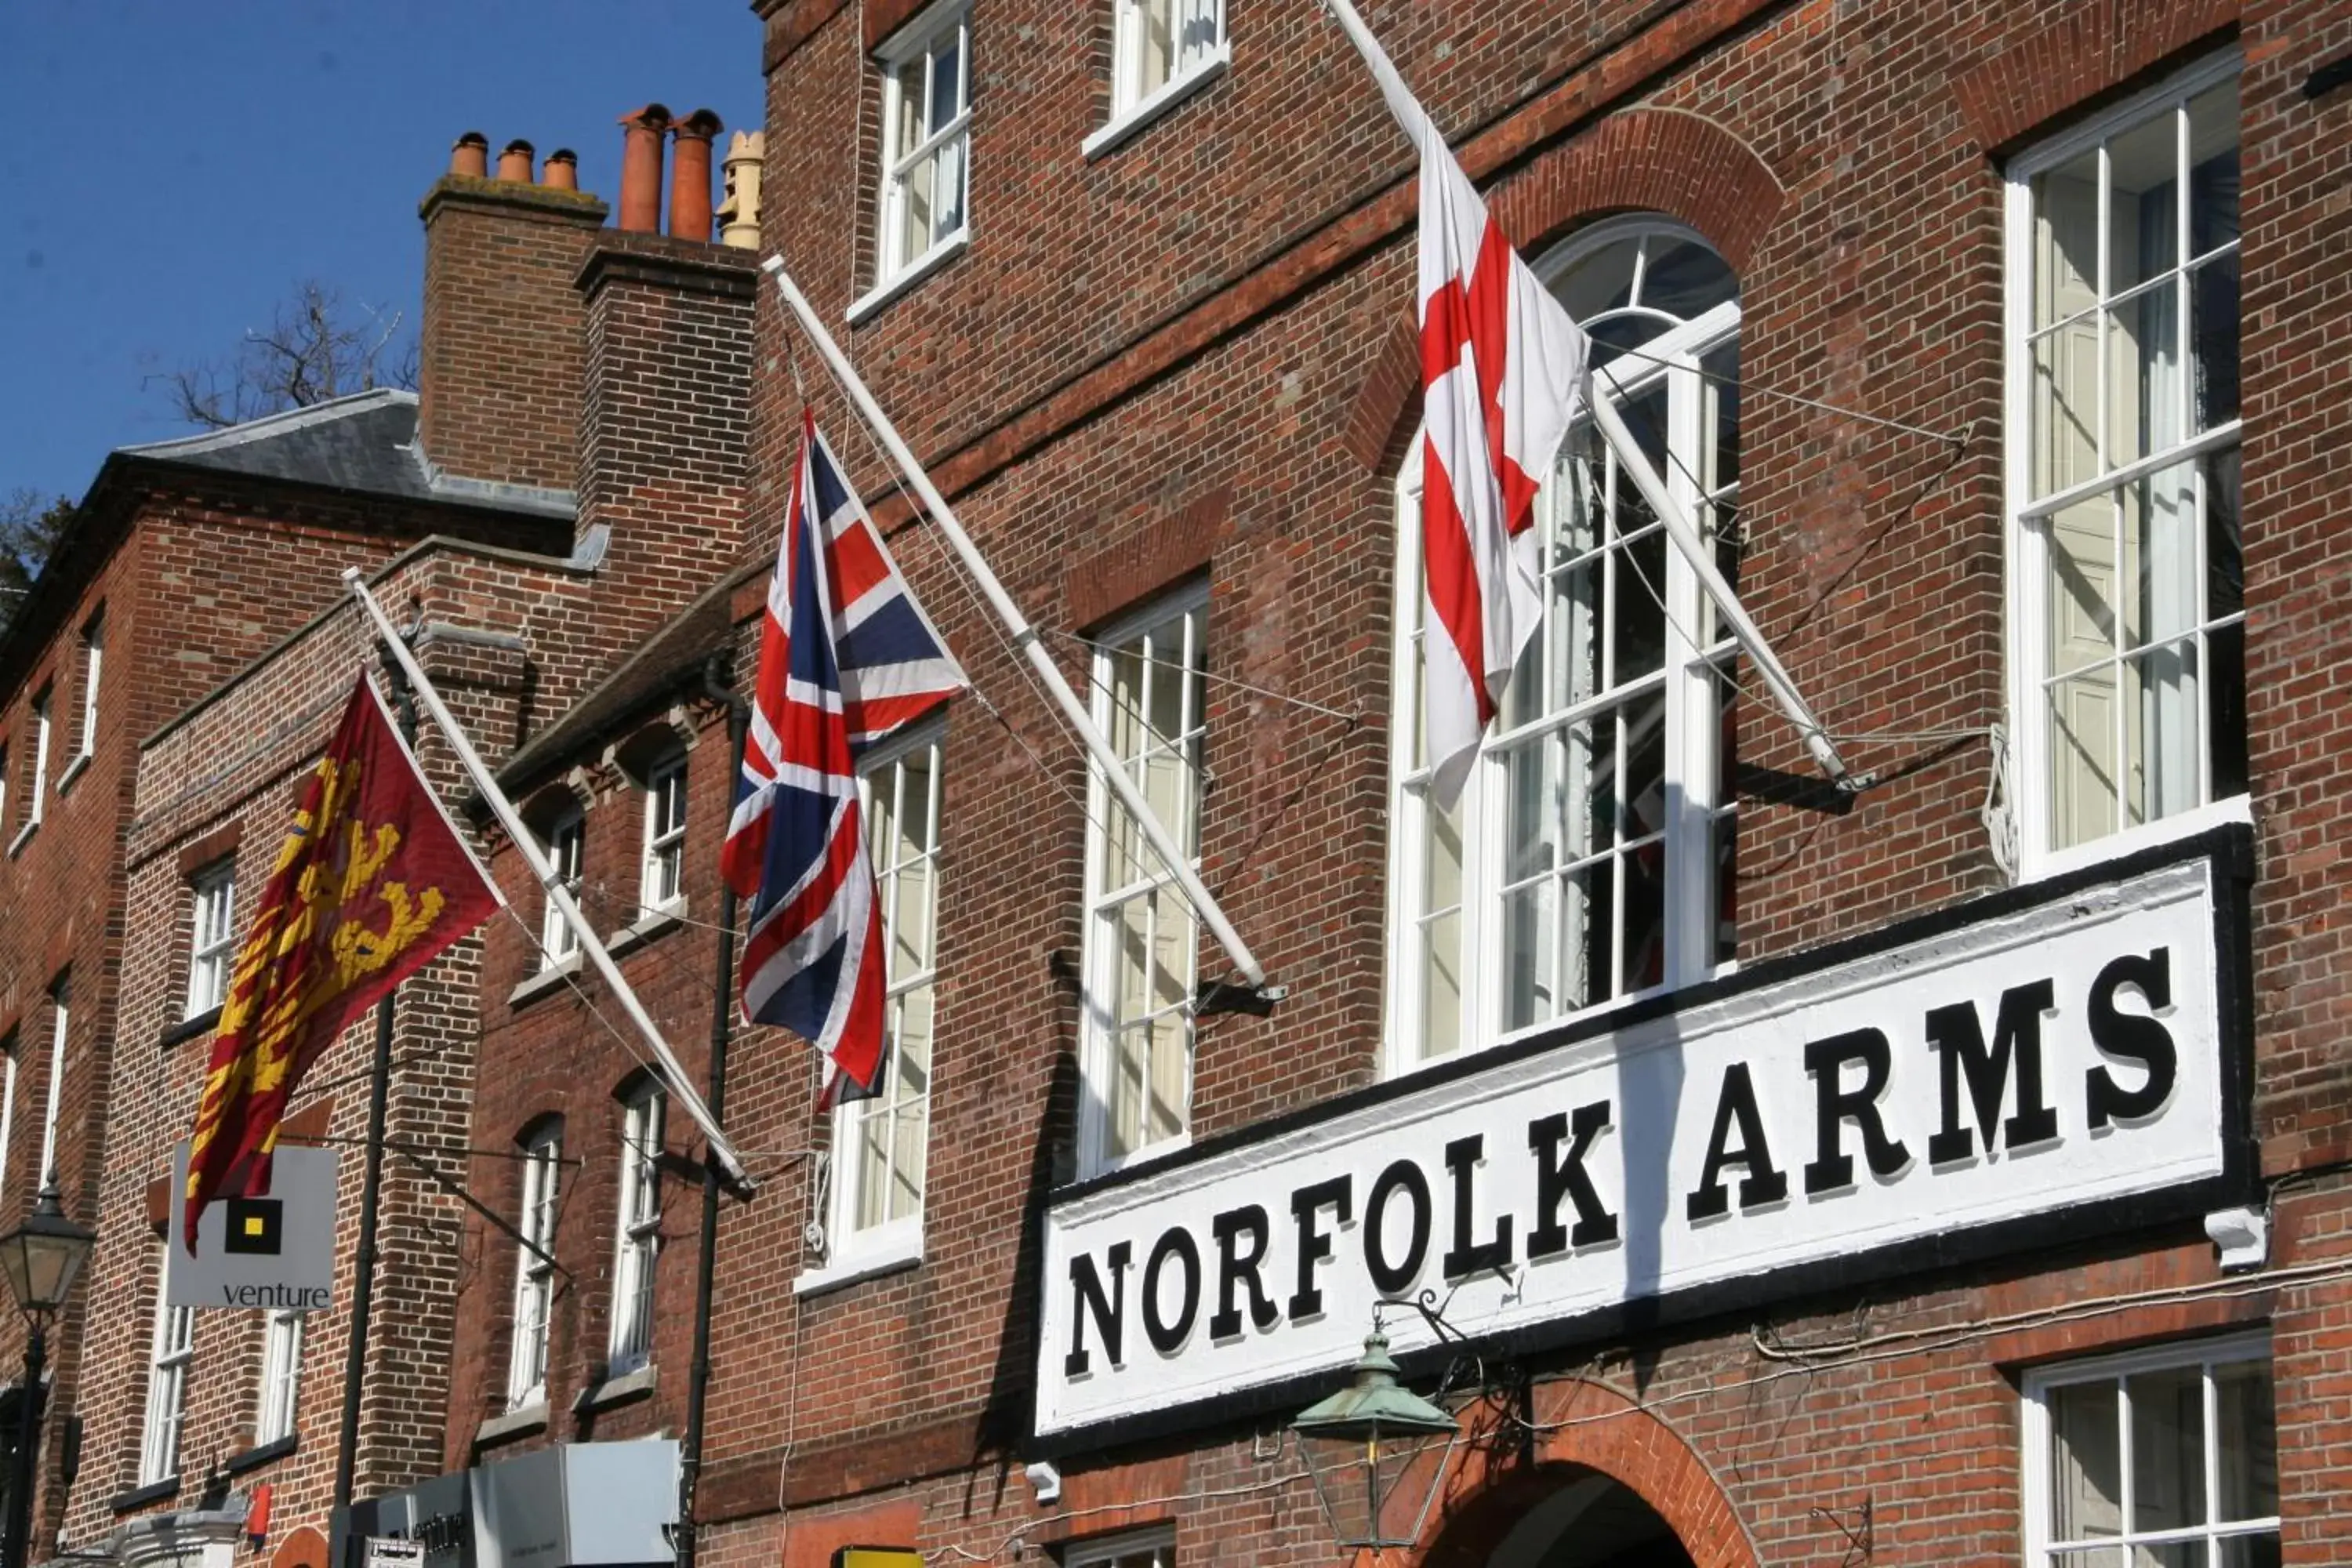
{"x": 371, "y": 882}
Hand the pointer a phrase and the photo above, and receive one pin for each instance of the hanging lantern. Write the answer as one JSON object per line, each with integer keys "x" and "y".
{"x": 1377, "y": 1452}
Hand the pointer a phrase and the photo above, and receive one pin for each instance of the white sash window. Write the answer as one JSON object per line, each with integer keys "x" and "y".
{"x": 2127, "y": 631}
{"x": 1591, "y": 856}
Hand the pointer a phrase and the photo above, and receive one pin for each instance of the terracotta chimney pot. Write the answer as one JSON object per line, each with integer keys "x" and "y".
{"x": 514, "y": 161}
{"x": 561, "y": 171}
{"x": 470, "y": 155}
{"x": 689, "y": 180}
{"x": 641, "y": 169}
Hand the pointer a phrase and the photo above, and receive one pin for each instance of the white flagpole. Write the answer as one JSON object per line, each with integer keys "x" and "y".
{"x": 1414, "y": 120}
{"x": 1114, "y": 771}
{"x": 672, "y": 1071}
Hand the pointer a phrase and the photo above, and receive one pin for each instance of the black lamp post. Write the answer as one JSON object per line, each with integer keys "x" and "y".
{"x": 41, "y": 1257}
{"x": 1377, "y": 1452}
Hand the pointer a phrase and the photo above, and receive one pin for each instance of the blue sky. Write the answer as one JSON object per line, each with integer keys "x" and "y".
{"x": 173, "y": 171}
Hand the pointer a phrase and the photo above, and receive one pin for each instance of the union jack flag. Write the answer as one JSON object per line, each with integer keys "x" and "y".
{"x": 846, "y": 659}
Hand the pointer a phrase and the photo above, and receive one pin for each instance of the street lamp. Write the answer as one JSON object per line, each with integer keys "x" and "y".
{"x": 1377, "y": 1452}
{"x": 41, "y": 1258}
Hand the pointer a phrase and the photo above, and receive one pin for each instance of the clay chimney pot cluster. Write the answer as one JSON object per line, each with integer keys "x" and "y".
{"x": 470, "y": 155}
{"x": 642, "y": 133}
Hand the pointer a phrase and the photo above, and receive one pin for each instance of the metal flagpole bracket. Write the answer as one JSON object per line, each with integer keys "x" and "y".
{"x": 672, "y": 1072}
{"x": 1215, "y": 996}
{"x": 1108, "y": 763}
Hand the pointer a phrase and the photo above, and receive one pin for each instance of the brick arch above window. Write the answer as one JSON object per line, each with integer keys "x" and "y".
{"x": 1594, "y": 1429}
{"x": 1666, "y": 160}
{"x": 2081, "y": 58}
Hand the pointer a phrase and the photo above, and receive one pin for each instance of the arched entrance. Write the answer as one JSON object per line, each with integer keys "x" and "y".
{"x": 1589, "y": 1520}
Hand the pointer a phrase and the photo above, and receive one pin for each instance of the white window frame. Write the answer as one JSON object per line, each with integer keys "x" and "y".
{"x": 664, "y": 859}
{"x": 169, "y": 1352}
{"x": 60, "y": 1015}
{"x": 849, "y": 1246}
{"x": 10, "y": 1050}
{"x": 281, "y": 1377}
{"x": 2035, "y": 1433}
{"x": 1692, "y": 737}
{"x": 36, "y": 801}
{"x": 534, "y": 1297}
{"x": 2028, "y": 548}
{"x": 212, "y": 937}
{"x": 1151, "y": 1547}
{"x": 567, "y": 841}
{"x": 636, "y": 1231}
{"x": 93, "y": 654}
{"x": 1132, "y": 106}
{"x": 1187, "y": 606}
{"x": 915, "y": 44}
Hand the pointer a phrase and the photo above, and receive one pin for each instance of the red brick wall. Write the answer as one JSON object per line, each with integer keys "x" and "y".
{"x": 1215, "y": 307}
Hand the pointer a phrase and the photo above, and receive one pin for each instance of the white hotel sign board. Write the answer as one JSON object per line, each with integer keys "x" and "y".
{"x": 2060, "y": 1056}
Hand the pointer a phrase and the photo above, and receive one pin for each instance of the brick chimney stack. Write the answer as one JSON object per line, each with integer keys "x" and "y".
{"x": 501, "y": 361}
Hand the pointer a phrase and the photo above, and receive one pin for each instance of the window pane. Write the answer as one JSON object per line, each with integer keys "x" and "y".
{"x": 1601, "y": 282}
{"x": 1156, "y": 41}
{"x": 2086, "y": 1487}
{"x": 2066, "y": 240}
{"x": 2143, "y": 203}
{"x": 2146, "y": 411}
{"x": 1530, "y": 950}
{"x": 2170, "y": 1554}
{"x": 2168, "y": 1426}
{"x": 947, "y": 80}
{"x": 1685, "y": 280}
{"x": 2246, "y": 1440}
{"x": 1588, "y": 928}
{"x": 1441, "y": 985}
{"x": 2213, "y": 341}
{"x": 2065, "y": 406}
{"x": 2250, "y": 1551}
{"x": 2213, "y": 167}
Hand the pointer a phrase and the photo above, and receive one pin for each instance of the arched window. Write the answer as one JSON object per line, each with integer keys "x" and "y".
{"x": 1591, "y": 855}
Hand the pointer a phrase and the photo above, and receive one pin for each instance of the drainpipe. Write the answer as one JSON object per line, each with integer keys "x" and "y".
{"x": 719, "y": 682}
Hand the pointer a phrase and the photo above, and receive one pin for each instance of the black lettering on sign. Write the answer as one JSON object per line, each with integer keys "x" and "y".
{"x": 1314, "y": 1242}
{"x": 1390, "y": 1278}
{"x": 1176, "y": 1243}
{"x": 1559, "y": 1176}
{"x": 1237, "y": 1267}
{"x": 1735, "y": 1105}
{"x": 1835, "y": 1105}
{"x": 1956, "y": 1034}
{"x": 1108, "y": 1308}
{"x": 1466, "y": 1256}
{"x": 2134, "y": 1036}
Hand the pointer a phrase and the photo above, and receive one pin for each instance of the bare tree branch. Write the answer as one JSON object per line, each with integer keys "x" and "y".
{"x": 313, "y": 350}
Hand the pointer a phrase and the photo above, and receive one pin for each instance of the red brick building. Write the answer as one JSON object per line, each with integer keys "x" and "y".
{"x": 1946, "y": 1170}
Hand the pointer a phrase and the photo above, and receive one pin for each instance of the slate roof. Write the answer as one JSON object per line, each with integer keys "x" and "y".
{"x": 365, "y": 443}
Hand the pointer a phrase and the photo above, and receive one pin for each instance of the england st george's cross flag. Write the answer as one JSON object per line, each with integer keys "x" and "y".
{"x": 847, "y": 661}
{"x": 1502, "y": 373}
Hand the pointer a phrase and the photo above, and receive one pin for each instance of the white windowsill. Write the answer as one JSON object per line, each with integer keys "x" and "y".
{"x": 647, "y": 927}
{"x": 907, "y": 276}
{"x": 546, "y": 980}
{"x": 2237, "y": 809}
{"x": 24, "y": 836}
{"x": 515, "y": 1422}
{"x": 856, "y": 1262}
{"x": 74, "y": 770}
{"x": 612, "y": 1390}
{"x": 1169, "y": 94}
